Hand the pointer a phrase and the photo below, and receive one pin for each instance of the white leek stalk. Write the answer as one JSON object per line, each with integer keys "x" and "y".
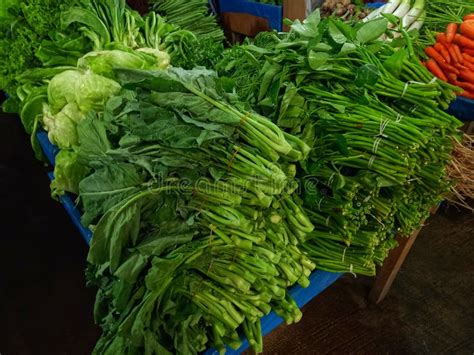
{"x": 413, "y": 14}
{"x": 418, "y": 24}
{"x": 402, "y": 9}
{"x": 391, "y": 6}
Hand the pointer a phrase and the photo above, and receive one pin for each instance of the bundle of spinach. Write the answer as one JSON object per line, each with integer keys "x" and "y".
{"x": 373, "y": 116}
{"x": 196, "y": 231}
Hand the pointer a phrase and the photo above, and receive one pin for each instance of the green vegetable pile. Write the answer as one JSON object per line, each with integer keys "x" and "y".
{"x": 373, "y": 117}
{"x": 115, "y": 36}
{"x": 196, "y": 231}
{"x": 210, "y": 193}
{"x": 191, "y": 15}
{"x": 30, "y": 38}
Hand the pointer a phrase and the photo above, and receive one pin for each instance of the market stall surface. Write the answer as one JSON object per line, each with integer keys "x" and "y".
{"x": 45, "y": 307}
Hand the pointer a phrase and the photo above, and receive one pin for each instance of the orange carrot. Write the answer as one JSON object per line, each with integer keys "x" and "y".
{"x": 468, "y": 17}
{"x": 463, "y": 41}
{"x": 451, "y": 31}
{"x": 441, "y": 49}
{"x": 467, "y": 29}
{"x": 464, "y": 85}
{"x": 467, "y": 75}
{"x": 448, "y": 68}
{"x": 468, "y": 57}
{"x": 453, "y": 54}
{"x": 433, "y": 53}
{"x": 452, "y": 78}
{"x": 435, "y": 69}
{"x": 457, "y": 52}
{"x": 469, "y": 66}
{"x": 469, "y": 51}
{"x": 441, "y": 38}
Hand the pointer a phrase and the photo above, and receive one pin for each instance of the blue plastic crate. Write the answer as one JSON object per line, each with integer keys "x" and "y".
{"x": 71, "y": 208}
{"x": 375, "y": 5}
{"x": 49, "y": 150}
{"x": 272, "y": 13}
{"x": 462, "y": 108}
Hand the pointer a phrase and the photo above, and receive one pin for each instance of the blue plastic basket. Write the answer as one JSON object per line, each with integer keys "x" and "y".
{"x": 462, "y": 108}
{"x": 272, "y": 13}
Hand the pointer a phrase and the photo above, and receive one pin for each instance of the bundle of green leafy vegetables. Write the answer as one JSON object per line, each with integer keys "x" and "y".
{"x": 196, "y": 232}
{"x": 203, "y": 210}
{"x": 191, "y": 15}
{"x": 110, "y": 35}
{"x": 374, "y": 118}
{"x": 194, "y": 16}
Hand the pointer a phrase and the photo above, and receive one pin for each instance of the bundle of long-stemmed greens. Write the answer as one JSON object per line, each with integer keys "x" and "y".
{"x": 372, "y": 114}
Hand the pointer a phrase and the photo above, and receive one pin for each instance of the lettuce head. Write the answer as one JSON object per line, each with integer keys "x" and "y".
{"x": 61, "y": 127}
{"x": 92, "y": 91}
{"x": 68, "y": 173}
{"x": 62, "y": 89}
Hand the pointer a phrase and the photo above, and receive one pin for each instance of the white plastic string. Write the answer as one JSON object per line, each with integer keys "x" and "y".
{"x": 378, "y": 220}
{"x": 351, "y": 270}
{"x": 327, "y": 221}
{"x": 371, "y": 161}
{"x": 367, "y": 198}
{"x": 413, "y": 82}
{"x": 344, "y": 254}
{"x": 399, "y": 118}
{"x": 383, "y": 125}
{"x": 377, "y": 142}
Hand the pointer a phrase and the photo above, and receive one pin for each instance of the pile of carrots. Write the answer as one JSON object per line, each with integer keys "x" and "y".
{"x": 452, "y": 57}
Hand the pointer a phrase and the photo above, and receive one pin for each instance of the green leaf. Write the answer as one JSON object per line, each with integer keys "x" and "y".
{"x": 367, "y": 75}
{"x": 131, "y": 268}
{"x": 336, "y": 35}
{"x": 391, "y": 18}
{"x": 161, "y": 273}
{"x": 348, "y": 47}
{"x": 394, "y": 64}
{"x": 88, "y": 18}
{"x": 372, "y": 30}
{"x": 341, "y": 144}
{"x": 309, "y": 27}
{"x": 317, "y": 59}
{"x": 346, "y": 29}
{"x": 106, "y": 188}
{"x": 270, "y": 71}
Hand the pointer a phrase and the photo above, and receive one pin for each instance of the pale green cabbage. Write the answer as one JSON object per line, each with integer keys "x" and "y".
{"x": 68, "y": 173}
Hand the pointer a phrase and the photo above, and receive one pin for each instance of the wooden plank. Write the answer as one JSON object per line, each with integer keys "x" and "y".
{"x": 245, "y": 24}
{"x": 388, "y": 272}
{"x": 293, "y": 10}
